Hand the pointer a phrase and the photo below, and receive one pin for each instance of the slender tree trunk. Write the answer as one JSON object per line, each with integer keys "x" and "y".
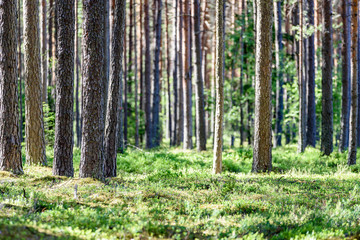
{"x": 10, "y": 145}
{"x": 358, "y": 128}
{"x": 311, "y": 105}
{"x": 279, "y": 73}
{"x": 35, "y": 139}
{"x": 242, "y": 49}
{"x": 77, "y": 75}
{"x": 92, "y": 164}
{"x": 262, "y": 130}
{"x": 43, "y": 51}
{"x": 219, "y": 74}
{"x": 175, "y": 75}
{"x": 168, "y": 69}
{"x": 63, "y": 147}
{"x": 155, "y": 142}
{"x": 327, "y": 67}
{"x": 354, "y": 84}
{"x": 187, "y": 78}
{"x": 302, "y": 85}
{"x": 180, "y": 117}
{"x": 21, "y": 121}
{"x": 147, "y": 76}
{"x": 345, "y": 55}
{"x": 136, "y": 81}
{"x": 54, "y": 58}
{"x": 106, "y": 47}
{"x": 200, "y": 111}
{"x": 112, "y": 113}
{"x": 50, "y": 43}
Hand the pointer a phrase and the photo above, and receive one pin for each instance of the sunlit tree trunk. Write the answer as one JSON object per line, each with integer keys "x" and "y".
{"x": 180, "y": 117}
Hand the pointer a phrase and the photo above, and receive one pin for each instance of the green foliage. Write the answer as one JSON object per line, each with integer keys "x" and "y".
{"x": 49, "y": 125}
{"x": 173, "y": 194}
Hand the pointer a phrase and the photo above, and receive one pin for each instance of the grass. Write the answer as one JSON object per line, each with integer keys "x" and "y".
{"x": 172, "y": 194}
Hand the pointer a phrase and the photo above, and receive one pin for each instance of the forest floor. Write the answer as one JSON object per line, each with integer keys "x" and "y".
{"x": 170, "y": 193}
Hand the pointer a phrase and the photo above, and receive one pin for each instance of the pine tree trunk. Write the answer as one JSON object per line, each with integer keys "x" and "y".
{"x": 262, "y": 129}
{"x": 77, "y": 81}
{"x": 35, "y": 139}
{"x": 43, "y": 51}
{"x": 147, "y": 76}
{"x": 354, "y": 84}
{"x": 175, "y": 75}
{"x": 155, "y": 142}
{"x": 200, "y": 111}
{"x": 358, "y": 128}
{"x": 92, "y": 164}
{"x": 168, "y": 71}
{"x": 50, "y": 42}
{"x": 219, "y": 74}
{"x": 327, "y": 98}
{"x": 311, "y": 105}
{"x": 345, "y": 55}
{"x": 279, "y": 74}
{"x": 180, "y": 117}
{"x": 63, "y": 147}
{"x": 21, "y": 121}
{"x": 136, "y": 81}
{"x": 302, "y": 84}
{"x": 112, "y": 113}
{"x": 10, "y": 145}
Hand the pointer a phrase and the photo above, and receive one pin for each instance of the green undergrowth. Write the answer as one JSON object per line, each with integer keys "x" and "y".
{"x": 173, "y": 194}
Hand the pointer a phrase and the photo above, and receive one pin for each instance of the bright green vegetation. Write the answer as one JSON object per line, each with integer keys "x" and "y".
{"x": 172, "y": 194}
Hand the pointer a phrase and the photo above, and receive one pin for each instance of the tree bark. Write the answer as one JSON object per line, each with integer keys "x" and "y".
{"x": 92, "y": 164}
{"x": 147, "y": 76}
{"x": 327, "y": 67}
{"x": 200, "y": 111}
{"x": 180, "y": 117}
{"x": 10, "y": 145}
{"x": 311, "y": 105}
{"x": 136, "y": 81}
{"x": 175, "y": 75}
{"x": 219, "y": 74}
{"x": 262, "y": 129}
{"x": 63, "y": 148}
{"x": 279, "y": 73}
{"x": 35, "y": 139}
{"x": 43, "y": 51}
{"x": 112, "y": 113}
{"x": 168, "y": 71}
{"x": 354, "y": 84}
{"x": 345, "y": 55}
{"x": 77, "y": 81}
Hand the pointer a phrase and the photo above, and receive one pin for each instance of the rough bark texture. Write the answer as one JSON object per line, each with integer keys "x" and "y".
{"x": 187, "y": 85}
{"x": 345, "y": 56}
{"x": 279, "y": 73}
{"x": 91, "y": 164}
{"x": 327, "y": 97}
{"x": 219, "y": 74}
{"x": 262, "y": 130}
{"x": 302, "y": 84}
{"x": 354, "y": 84}
{"x": 10, "y": 146}
{"x": 200, "y": 111}
{"x": 77, "y": 76}
{"x": 147, "y": 76}
{"x": 155, "y": 142}
{"x": 311, "y": 105}
{"x": 43, "y": 51}
{"x": 106, "y": 47}
{"x": 34, "y": 128}
{"x": 358, "y": 128}
{"x": 63, "y": 146}
{"x": 112, "y": 113}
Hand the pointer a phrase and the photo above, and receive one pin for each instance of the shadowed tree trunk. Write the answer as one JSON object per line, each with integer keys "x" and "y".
{"x": 147, "y": 76}
{"x": 77, "y": 75}
{"x": 10, "y": 145}
{"x": 327, "y": 97}
{"x": 168, "y": 70}
{"x": 354, "y": 84}
{"x": 180, "y": 116}
{"x": 136, "y": 80}
{"x": 262, "y": 129}
{"x": 43, "y": 51}
{"x": 219, "y": 74}
{"x": 63, "y": 147}
{"x": 91, "y": 164}
{"x": 279, "y": 73}
{"x": 106, "y": 47}
{"x": 175, "y": 75}
{"x": 35, "y": 139}
{"x": 155, "y": 142}
{"x": 311, "y": 105}
{"x": 21, "y": 120}
{"x": 200, "y": 111}
{"x": 112, "y": 113}
{"x": 345, "y": 55}
{"x": 358, "y": 128}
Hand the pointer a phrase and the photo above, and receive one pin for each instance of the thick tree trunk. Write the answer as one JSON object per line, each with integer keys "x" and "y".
{"x": 354, "y": 84}
{"x": 43, "y": 51}
{"x": 106, "y": 47}
{"x": 187, "y": 78}
{"x": 35, "y": 139}
{"x": 63, "y": 147}
{"x": 358, "y": 128}
{"x": 311, "y": 105}
{"x": 147, "y": 77}
{"x": 327, "y": 67}
{"x": 302, "y": 84}
{"x": 200, "y": 111}
{"x": 219, "y": 74}
{"x": 279, "y": 73}
{"x": 10, "y": 145}
{"x": 262, "y": 130}
{"x": 155, "y": 142}
{"x": 345, "y": 55}
{"x": 112, "y": 113}
{"x": 92, "y": 164}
